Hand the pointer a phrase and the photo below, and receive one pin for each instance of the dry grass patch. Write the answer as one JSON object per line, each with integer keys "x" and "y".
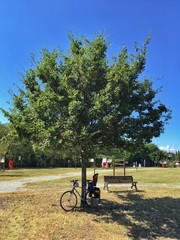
{"x": 37, "y": 215}
{"x": 15, "y": 174}
{"x": 147, "y": 214}
{"x": 151, "y": 213}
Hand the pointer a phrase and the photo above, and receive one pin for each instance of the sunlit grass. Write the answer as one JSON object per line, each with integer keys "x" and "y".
{"x": 123, "y": 214}
{"x": 151, "y": 175}
{"x": 151, "y": 213}
{"x": 24, "y": 173}
{"x": 143, "y": 176}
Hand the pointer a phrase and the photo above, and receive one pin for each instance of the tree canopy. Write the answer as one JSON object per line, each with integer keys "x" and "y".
{"x": 82, "y": 98}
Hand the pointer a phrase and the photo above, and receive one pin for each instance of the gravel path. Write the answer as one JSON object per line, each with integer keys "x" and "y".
{"x": 18, "y": 185}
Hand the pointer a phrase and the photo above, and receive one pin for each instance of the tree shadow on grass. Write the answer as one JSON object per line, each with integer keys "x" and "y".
{"x": 144, "y": 218}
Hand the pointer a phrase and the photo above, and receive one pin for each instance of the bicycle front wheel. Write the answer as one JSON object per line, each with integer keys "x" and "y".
{"x": 68, "y": 201}
{"x": 91, "y": 201}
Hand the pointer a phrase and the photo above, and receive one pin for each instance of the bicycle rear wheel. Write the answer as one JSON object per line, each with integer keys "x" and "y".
{"x": 68, "y": 201}
{"x": 91, "y": 201}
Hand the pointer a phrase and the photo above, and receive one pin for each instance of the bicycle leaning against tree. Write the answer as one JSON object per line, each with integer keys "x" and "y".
{"x": 91, "y": 195}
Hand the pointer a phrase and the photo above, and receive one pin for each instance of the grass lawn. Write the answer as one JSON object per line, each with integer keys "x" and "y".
{"x": 23, "y": 173}
{"x": 151, "y": 213}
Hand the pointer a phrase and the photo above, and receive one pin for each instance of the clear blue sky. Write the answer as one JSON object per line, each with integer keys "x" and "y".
{"x": 27, "y": 26}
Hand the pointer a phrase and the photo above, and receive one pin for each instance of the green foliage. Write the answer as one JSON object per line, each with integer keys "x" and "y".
{"x": 64, "y": 157}
{"x": 177, "y": 156}
{"x": 82, "y": 99}
{"x": 112, "y": 153}
{"x": 5, "y": 138}
{"x": 150, "y": 152}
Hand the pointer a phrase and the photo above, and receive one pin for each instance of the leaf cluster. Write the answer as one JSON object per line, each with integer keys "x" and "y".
{"x": 83, "y": 99}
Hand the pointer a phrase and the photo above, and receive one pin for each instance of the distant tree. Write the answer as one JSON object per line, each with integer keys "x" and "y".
{"x": 4, "y": 130}
{"x": 177, "y": 156}
{"x": 149, "y": 152}
{"x": 81, "y": 99}
{"x": 112, "y": 153}
{"x": 155, "y": 154}
{"x": 11, "y": 147}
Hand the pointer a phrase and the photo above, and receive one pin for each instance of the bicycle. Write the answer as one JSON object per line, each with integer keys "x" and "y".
{"x": 91, "y": 195}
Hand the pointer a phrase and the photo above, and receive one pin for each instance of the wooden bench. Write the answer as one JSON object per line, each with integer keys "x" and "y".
{"x": 118, "y": 180}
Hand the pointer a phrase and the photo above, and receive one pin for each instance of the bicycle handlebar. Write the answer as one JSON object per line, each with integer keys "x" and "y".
{"x": 73, "y": 181}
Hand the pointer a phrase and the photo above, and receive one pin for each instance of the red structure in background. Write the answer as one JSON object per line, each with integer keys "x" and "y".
{"x": 10, "y": 164}
{"x": 106, "y": 165}
{"x": 163, "y": 165}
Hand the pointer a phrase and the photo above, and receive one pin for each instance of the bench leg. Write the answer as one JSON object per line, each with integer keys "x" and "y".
{"x": 106, "y": 186}
{"x": 134, "y": 185}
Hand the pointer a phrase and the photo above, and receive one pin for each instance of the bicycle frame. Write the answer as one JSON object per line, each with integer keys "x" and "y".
{"x": 69, "y": 199}
{"x": 84, "y": 193}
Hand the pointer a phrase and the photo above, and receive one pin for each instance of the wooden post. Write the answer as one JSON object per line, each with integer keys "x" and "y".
{"x": 119, "y": 163}
{"x": 94, "y": 165}
{"x": 114, "y": 167}
{"x": 124, "y": 169}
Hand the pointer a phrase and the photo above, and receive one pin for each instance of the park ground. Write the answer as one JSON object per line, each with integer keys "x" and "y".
{"x": 152, "y": 212}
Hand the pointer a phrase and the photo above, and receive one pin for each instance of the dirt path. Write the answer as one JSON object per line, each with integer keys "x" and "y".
{"x": 18, "y": 185}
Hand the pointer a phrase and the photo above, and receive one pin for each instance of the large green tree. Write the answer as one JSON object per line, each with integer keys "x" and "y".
{"x": 82, "y": 99}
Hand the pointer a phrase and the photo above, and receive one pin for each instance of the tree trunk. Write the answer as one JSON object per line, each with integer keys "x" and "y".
{"x": 83, "y": 171}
